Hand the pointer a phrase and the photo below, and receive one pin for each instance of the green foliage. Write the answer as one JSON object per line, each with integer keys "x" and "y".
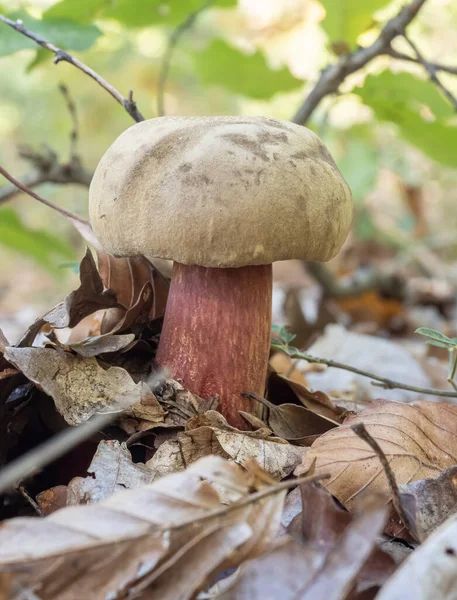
{"x": 285, "y": 336}
{"x": 64, "y": 33}
{"x": 345, "y": 20}
{"x": 417, "y": 107}
{"x": 132, "y": 13}
{"x": 247, "y": 75}
{"x": 437, "y": 338}
{"x": 47, "y": 249}
{"x": 359, "y": 166}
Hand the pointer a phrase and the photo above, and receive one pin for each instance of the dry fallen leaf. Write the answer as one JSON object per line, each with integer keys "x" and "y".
{"x": 430, "y": 572}
{"x": 295, "y": 571}
{"x": 429, "y": 502}
{"x": 292, "y": 422}
{"x": 87, "y": 299}
{"x": 419, "y": 440}
{"x": 210, "y": 434}
{"x": 110, "y": 471}
{"x": 152, "y": 536}
{"x": 80, "y": 387}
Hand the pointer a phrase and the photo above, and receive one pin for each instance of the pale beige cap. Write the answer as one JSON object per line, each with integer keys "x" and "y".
{"x": 220, "y": 192}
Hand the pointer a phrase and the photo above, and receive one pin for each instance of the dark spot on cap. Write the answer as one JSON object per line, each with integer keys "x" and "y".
{"x": 185, "y": 167}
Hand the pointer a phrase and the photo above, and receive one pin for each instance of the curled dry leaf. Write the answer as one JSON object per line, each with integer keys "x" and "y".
{"x": 80, "y": 387}
{"x": 292, "y": 422}
{"x": 210, "y": 434}
{"x": 430, "y": 572}
{"x": 99, "y": 344}
{"x": 429, "y": 502}
{"x": 87, "y": 299}
{"x": 282, "y": 390}
{"x": 419, "y": 440}
{"x": 111, "y": 470}
{"x": 152, "y": 535}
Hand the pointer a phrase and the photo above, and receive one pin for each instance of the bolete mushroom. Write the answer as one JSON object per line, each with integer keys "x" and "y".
{"x": 223, "y": 197}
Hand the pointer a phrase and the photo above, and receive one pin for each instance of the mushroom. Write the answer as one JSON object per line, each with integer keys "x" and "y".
{"x": 222, "y": 197}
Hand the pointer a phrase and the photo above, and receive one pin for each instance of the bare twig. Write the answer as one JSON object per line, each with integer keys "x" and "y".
{"x": 431, "y": 70}
{"x": 33, "y": 194}
{"x": 436, "y": 66}
{"x": 252, "y": 498}
{"x": 388, "y": 384}
{"x": 168, "y": 55}
{"x": 48, "y": 170}
{"x": 61, "y": 55}
{"x": 23, "y": 491}
{"x": 332, "y": 76}
{"x": 361, "y": 431}
{"x": 74, "y": 134}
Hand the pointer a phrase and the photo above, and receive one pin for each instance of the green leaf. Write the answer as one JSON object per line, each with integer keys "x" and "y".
{"x": 141, "y": 13}
{"x": 359, "y": 166}
{"x": 438, "y": 344}
{"x": 435, "y": 335}
{"x": 400, "y": 99}
{"x": 244, "y": 74}
{"x": 41, "y": 56}
{"x": 80, "y": 11}
{"x": 345, "y": 20}
{"x": 48, "y": 250}
{"x": 63, "y": 33}
{"x": 403, "y": 90}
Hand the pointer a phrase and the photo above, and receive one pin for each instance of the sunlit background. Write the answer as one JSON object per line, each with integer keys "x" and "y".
{"x": 391, "y": 131}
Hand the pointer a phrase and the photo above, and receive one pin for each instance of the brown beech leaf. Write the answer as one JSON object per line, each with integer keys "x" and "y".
{"x": 51, "y": 500}
{"x": 429, "y": 573}
{"x": 282, "y": 390}
{"x": 210, "y": 434}
{"x": 138, "y": 286}
{"x": 419, "y": 440}
{"x": 153, "y": 537}
{"x": 295, "y": 571}
{"x": 349, "y": 554}
{"x": 88, "y": 298}
{"x": 80, "y": 386}
{"x": 111, "y": 470}
{"x": 292, "y": 422}
{"x": 429, "y": 502}
{"x": 96, "y": 345}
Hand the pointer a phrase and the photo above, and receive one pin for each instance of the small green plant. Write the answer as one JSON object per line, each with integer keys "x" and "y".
{"x": 442, "y": 341}
{"x": 285, "y": 338}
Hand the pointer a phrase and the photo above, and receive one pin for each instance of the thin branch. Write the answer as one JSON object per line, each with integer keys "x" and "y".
{"x": 360, "y": 430}
{"x": 431, "y": 70}
{"x": 252, "y": 498}
{"x": 332, "y": 76}
{"x": 61, "y": 55}
{"x": 168, "y": 54}
{"x": 74, "y": 134}
{"x": 33, "y": 194}
{"x": 388, "y": 384}
{"x": 48, "y": 170}
{"x": 436, "y": 66}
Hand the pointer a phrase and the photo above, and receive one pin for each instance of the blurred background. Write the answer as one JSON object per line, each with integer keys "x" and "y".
{"x": 391, "y": 131}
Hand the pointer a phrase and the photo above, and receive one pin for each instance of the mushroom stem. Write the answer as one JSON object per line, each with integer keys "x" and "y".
{"x": 216, "y": 333}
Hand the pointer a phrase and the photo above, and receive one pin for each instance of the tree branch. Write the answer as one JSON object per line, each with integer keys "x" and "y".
{"x": 431, "y": 70}
{"x": 332, "y": 76}
{"x": 74, "y": 134}
{"x": 27, "y": 190}
{"x": 48, "y": 170}
{"x": 388, "y": 384}
{"x": 173, "y": 41}
{"x": 436, "y": 66}
{"x": 61, "y": 55}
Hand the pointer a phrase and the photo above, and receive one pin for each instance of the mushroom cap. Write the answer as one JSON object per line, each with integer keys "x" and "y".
{"x": 220, "y": 192}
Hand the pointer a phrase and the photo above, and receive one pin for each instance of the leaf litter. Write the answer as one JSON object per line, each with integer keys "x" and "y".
{"x": 171, "y": 493}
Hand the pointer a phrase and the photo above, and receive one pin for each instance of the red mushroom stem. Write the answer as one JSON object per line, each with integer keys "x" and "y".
{"x": 216, "y": 333}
